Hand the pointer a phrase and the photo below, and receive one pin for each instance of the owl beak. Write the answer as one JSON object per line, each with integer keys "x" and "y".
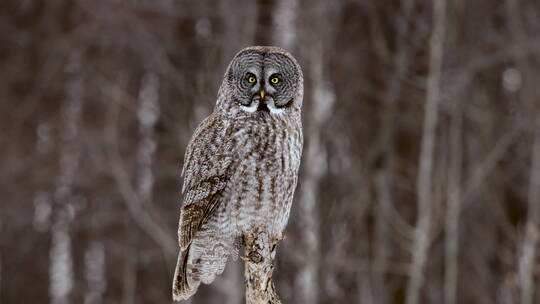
{"x": 262, "y": 93}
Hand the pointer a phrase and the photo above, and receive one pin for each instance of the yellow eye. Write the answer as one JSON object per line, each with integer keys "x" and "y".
{"x": 251, "y": 79}
{"x": 274, "y": 80}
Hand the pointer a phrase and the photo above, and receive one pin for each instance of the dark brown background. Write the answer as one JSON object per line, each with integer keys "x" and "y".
{"x": 90, "y": 183}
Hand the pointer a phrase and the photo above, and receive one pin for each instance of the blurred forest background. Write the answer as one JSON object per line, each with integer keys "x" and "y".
{"x": 420, "y": 180}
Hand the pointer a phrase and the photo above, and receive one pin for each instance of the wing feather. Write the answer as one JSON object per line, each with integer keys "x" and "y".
{"x": 194, "y": 215}
{"x": 205, "y": 173}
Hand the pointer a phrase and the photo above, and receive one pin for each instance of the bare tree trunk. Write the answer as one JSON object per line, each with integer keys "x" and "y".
{"x": 129, "y": 277}
{"x": 384, "y": 180}
{"x": 382, "y": 211}
{"x": 148, "y": 114}
{"x": 94, "y": 262}
{"x": 130, "y": 194}
{"x": 454, "y": 205}
{"x": 260, "y": 252}
{"x": 532, "y": 228}
{"x": 526, "y": 263}
{"x": 424, "y": 183}
{"x": 61, "y": 260}
{"x": 322, "y": 98}
{"x": 315, "y": 164}
{"x": 263, "y": 34}
{"x": 240, "y": 29}
{"x": 285, "y": 23}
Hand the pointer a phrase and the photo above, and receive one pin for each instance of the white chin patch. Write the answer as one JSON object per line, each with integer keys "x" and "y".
{"x": 254, "y": 106}
{"x": 274, "y": 110}
{"x": 249, "y": 109}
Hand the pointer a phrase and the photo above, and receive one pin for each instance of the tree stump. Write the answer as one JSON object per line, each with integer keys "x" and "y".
{"x": 260, "y": 251}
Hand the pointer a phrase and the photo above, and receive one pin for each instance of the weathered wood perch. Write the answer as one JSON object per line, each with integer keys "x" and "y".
{"x": 260, "y": 251}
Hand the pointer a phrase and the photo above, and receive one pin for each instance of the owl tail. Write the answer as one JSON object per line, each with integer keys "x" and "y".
{"x": 184, "y": 285}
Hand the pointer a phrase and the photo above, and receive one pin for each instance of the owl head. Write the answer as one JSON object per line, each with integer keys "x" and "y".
{"x": 261, "y": 80}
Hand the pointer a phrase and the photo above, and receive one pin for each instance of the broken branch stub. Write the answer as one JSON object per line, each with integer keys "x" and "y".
{"x": 260, "y": 251}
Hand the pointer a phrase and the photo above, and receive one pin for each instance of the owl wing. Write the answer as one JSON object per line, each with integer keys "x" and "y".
{"x": 202, "y": 233}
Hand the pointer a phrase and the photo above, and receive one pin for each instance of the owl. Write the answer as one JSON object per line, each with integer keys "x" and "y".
{"x": 241, "y": 165}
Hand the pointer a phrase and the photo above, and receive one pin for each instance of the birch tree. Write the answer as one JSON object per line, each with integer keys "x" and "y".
{"x": 61, "y": 270}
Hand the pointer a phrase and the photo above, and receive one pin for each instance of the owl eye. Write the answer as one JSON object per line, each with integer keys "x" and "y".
{"x": 274, "y": 79}
{"x": 251, "y": 78}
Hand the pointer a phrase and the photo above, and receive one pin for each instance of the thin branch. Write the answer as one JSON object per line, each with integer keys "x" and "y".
{"x": 481, "y": 171}
{"x": 130, "y": 197}
{"x": 424, "y": 183}
{"x": 384, "y": 179}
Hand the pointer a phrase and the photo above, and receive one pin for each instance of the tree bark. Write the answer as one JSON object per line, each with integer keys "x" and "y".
{"x": 260, "y": 251}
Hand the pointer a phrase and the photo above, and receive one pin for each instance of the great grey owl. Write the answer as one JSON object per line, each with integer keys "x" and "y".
{"x": 241, "y": 165}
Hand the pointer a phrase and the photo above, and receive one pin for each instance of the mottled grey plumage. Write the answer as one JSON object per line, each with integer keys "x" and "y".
{"x": 241, "y": 165}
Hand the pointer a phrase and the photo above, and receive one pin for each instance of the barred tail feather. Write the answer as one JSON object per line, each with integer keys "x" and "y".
{"x": 184, "y": 285}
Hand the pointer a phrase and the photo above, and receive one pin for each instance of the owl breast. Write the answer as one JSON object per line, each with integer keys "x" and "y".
{"x": 267, "y": 158}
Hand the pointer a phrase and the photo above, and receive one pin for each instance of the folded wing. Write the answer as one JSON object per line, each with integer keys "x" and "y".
{"x": 204, "y": 233}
